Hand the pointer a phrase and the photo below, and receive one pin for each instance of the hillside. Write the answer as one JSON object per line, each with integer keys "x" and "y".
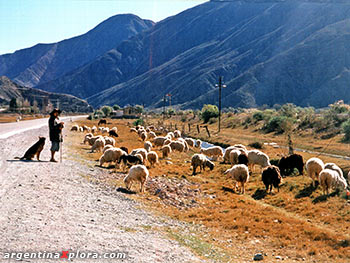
{"x": 45, "y": 62}
{"x": 69, "y": 103}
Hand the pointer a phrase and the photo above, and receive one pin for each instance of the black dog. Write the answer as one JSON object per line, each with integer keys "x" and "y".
{"x": 34, "y": 150}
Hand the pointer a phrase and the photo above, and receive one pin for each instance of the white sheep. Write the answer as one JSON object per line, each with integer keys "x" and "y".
{"x": 170, "y": 135}
{"x": 105, "y": 130}
{"x": 159, "y": 141}
{"x": 108, "y": 146}
{"x": 313, "y": 167}
{"x": 214, "y": 152}
{"x": 142, "y": 151}
{"x": 111, "y": 155}
{"x": 81, "y": 129}
{"x": 190, "y": 142}
{"x": 75, "y": 128}
{"x": 198, "y": 143}
{"x": 137, "y": 173}
{"x": 109, "y": 140}
{"x": 93, "y": 129}
{"x": 240, "y": 174}
{"x": 330, "y": 178}
{"x": 177, "y": 146}
{"x": 256, "y": 157}
{"x": 91, "y": 139}
{"x": 177, "y": 134}
{"x": 98, "y": 145}
{"x": 140, "y": 156}
{"x": 334, "y": 167}
{"x": 202, "y": 161}
{"x": 234, "y": 156}
{"x": 227, "y": 153}
{"x": 152, "y": 158}
{"x": 133, "y": 130}
{"x": 148, "y": 146}
{"x": 240, "y": 146}
{"x": 166, "y": 149}
{"x": 115, "y": 129}
{"x": 152, "y": 135}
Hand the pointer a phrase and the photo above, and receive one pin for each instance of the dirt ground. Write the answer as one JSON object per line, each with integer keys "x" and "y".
{"x": 53, "y": 207}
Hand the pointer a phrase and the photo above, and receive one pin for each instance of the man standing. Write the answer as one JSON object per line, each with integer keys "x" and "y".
{"x": 55, "y": 128}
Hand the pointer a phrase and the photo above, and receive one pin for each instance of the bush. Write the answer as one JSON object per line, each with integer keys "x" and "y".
{"x": 278, "y": 124}
{"x": 346, "y": 129}
{"x": 98, "y": 114}
{"x": 183, "y": 118}
{"x": 138, "y": 122}
{"x": 213, "y": 120}
{"x": 90, "y": 117}
{"x": 116, "y": 107}
{"x": 209, "y": 111}
{"x": 258, "y": 116}
{"x": 107, "y": 110}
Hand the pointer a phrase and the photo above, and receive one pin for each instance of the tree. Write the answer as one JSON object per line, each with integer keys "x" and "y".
{"x": 209, "y": 111}
{"x": 107, "y": 110}
{"x": 346, "y": 129}
{"x": 139, "y": 109}
{"x": 13, "y": 104}
{"x": 116, "y": 107}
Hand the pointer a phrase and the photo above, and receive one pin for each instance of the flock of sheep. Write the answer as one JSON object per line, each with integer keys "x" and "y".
{"x": 328, "y": 175}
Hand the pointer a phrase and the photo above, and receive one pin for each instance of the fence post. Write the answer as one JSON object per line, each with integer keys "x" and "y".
{"x": 189, "y": 127}
{"x": 206, "y": 128}
{"x": 198, "y": 129}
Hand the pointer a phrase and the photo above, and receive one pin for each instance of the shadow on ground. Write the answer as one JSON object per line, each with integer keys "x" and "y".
{"x": 259, "y": 194}
{"x": 307, "y": 191}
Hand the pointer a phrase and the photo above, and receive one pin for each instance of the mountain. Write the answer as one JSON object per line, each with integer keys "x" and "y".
{"x": 267, "y": 51}
{"x": 45, "y": 62}
{"x": 68, "y": 103}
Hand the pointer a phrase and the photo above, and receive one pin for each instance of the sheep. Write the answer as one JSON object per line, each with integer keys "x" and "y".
{"x": 290, "y": 162}
{"x": 159, "y": 141}
{"x": 109, "y": 140}
{"x": 190, "y": 142}
{"x": 105, "y": 130}
{"x": 137, "y": 173}
{"x": 111, "y": 155}
{"x": 240, "y": 146}
{"x": 234, "y": 156}
{"x": 108, "y": 146}
{"x": 152, "y": 135}
{"x": 114, "y": 129}
{"x": 125, "y": 149}
{"x": 152, "y": 158}
{"x": 167, "y": 142}
{"x": 214, "y": 152}
{"x": 133, "y": 130}
{"x": 91, "y": 139}
{"x": 240, "y": 174}
{"x": 85, "y": 128}
{"x": 142, "y": 151}
{"x": 177, "y": 134}
{"x": 147, "y": 145}
{"x": 256, "y": 157}
{"x": 170, "y": 135}
{"x": 271, "y": 176}
{"x": 202, "y": 161}
{"x": 113, "y": 133}
{"x": 198, "y": 143}
{"x": 334, "y": 167}
{"x": 139, "y": 155}
{"x": 330, "y": 178}
{"x": 93, "y": 129}
{"x": 177, "y": 146}
{"x": 227, "y": 153}
{"x": 86, "y": 137}
{"x": 243, "y": 159}
{"x": 130, "y": 160}
{"x": 166, "y": 149}
{"x": 75, "y": 128}
{"x": 313, "y": 167}
{"x": 98, "y": 145}
{"x": 81, "y": 129}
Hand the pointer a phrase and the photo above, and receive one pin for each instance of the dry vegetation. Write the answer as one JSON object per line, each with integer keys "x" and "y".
{"x": 296, "y": 223}
{"x": 9, "y": 117}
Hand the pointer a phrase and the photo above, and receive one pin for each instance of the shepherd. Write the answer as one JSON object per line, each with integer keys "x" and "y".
{"x": 55, "y": 127}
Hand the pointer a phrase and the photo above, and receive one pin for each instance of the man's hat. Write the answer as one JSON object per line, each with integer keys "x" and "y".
{"x": 55, "y": 110}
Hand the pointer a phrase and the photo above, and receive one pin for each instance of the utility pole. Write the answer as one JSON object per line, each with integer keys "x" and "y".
{"x": 164, "y": 107}
{"x": 220, "y": 85}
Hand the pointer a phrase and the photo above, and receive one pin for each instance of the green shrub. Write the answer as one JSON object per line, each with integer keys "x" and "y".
{"x": 209, "y": 111}
{"x": 346, "y": 129}
{"x": 116, "y": 107}
{"x": 107, "y": 110}
{"x": 258, "y": 116}
{"x": 138, "y": 122}
{"x": 279, "y": 124}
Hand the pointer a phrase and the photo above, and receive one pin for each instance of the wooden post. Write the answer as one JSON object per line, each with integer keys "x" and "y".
{"x": 206, "y": 128}
{"x": 175, "y": 126}
{"x": 198, "y": 129}
{"x": 189, "y": 127}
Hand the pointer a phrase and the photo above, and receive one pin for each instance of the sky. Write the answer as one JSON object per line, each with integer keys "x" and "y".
{"x": 25, "y": 23}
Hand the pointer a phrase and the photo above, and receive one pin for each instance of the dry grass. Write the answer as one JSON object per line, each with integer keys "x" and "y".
{"x": 296, "y": 223}
{"x": 9, "y": 117}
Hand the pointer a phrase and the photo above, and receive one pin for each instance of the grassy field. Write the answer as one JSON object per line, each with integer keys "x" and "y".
{"x": 298, "y": 223}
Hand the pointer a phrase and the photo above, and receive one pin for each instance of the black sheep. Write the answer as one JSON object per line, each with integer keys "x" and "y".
{"x": 290, "y": 162}
{"x": 102, "y": 121}
{"x": 243, "y": 159}
{"x": 271, "y": 177}
{"x": 125, "y": 149}
{"x": 113, "y": 133}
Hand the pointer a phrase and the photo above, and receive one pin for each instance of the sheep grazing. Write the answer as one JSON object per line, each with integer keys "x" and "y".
{"x": 113, "y": 133}
{"x": 190, "y": 142}
{"x": 166, "y": 149}
{"x": 75, "y": 128}
{"x": 139, "y": 155}
{"x": 177, "y": 146}
{"x": 234, "y": 156}
{"x": 240, "y": 146}
{"x": 109, "y": 140}
{"x": 93, "y": 129}
{"x": 330, "y": 178}
{"x": 256, "y": 157}
{"x": 334, "y": 167}
{"x": 227, "y": 153}
{"x": 102, "y": 121}
{"x": 159, "y": 141}
{"x": 108, "y": 146}
{"x": 290, "y": 162}
{"x": 313, "y": 167}
{"x": 214, "y": 152}
{"x": 133, "y": 130}
{"x": 152, "y": 135}
{"x": 170, "y": 135}
{"x": 98, "y": 145}
{"x": 125, "y": 149}
{"x": 81, "y": 129}
{"x": 137, "y": 173}
{"x": 177, "y": 134}
{"x": 111, "y": 155}
{"x": 271, "y": 176}
{"x": 130, "y": 160}
{"x": 142, "y": 151}
{"x": 243, "y": 159}
{"x": 202, "y": 161}
{"x": 240, "y": 174}
{"x": 91, "y": 139}
{"x": 148, "y": 146}
{"x": 152, "y": 158}
{"x": 198, "y": 143}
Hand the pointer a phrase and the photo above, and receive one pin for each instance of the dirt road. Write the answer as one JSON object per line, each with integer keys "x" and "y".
{"x": 51, "y": 207}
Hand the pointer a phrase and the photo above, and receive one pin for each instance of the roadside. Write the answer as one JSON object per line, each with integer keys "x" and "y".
{"x": 52, "y": 207}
